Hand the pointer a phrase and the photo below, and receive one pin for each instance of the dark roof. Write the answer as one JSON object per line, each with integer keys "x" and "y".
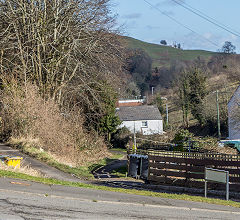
{"x": 135, "y": 113}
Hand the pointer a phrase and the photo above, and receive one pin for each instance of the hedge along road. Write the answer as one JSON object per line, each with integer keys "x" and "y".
{"x": 28, "y": 200}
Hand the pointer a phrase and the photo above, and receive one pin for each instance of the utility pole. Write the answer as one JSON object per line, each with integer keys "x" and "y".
{"x": 152, "y": 90}
{"x": 134, "y": 139}
{"x": 166, "y": 114}
{"x": 166, "y": 110}
{"x": 218, "y": 116}
{"x": 218, "y": 113}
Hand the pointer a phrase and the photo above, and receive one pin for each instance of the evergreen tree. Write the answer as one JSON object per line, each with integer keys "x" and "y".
{"x": 197, "y": 82}
{"x": 192, "y": 91}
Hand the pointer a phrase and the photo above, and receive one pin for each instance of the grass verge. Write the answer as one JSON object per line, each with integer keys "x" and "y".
{"x": 120, "y": 172}
{"x": 104, "y": 162}
{"x": 123, "y": 150}
{"x": 11, "y": 174}
{"x": 84, "y": 172}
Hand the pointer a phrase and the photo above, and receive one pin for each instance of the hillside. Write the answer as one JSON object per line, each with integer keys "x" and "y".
{"x": 164, "y": 55}
{"x": 221, "y": 72}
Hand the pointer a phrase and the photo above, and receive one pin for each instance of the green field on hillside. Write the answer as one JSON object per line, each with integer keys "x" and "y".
{"x": 164, "y": 55}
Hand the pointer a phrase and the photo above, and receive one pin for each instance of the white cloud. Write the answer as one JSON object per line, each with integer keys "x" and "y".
{"x": 208, "y": 35}
{"x": 193, "y": 41}
{"x": 233, "y": 37}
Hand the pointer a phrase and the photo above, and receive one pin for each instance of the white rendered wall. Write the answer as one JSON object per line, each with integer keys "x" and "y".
{"x": 233, "y": 130}
{"x": 153, "y": 127}
{"x": 233, "y": 124}
{"x": 234, "y": 116}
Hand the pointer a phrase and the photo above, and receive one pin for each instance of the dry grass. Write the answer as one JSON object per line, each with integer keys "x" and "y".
{"x": 32, "y": 146}
{"x": 23, "y": 169}
{"x": 211, "y": 145}
{"x": 28, "y": 120}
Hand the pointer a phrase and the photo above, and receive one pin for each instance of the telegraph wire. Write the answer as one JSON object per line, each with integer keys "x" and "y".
{"x": 207, "y": 18}
{"x": 181, "y": 24}
{"x": 212, "y": 18}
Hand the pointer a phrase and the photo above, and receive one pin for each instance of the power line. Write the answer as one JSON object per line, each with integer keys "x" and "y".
{"x": 212, "y": 18}
{"x": 179, "y": 23}
{"x": 207, "y": 18}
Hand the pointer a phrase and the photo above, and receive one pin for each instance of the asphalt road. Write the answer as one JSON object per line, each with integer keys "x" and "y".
{"x": 43, "y": 168}
{"x": 29, "y": 200}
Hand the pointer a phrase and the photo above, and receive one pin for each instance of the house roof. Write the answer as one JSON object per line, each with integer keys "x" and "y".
{"x": 136, "y": 113}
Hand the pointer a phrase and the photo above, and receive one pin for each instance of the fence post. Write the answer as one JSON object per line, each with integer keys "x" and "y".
{"x": 205, "y": 189}
{"x": 189, "y": 145}
{"x": 227, "y": 187}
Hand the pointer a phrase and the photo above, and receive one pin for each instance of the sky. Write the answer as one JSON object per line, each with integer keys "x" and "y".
{"x": 140, "y": 20}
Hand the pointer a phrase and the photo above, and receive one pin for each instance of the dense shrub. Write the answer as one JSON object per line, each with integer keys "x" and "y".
{"x": 121, "y": 138}
{"x": 24, "y": 114}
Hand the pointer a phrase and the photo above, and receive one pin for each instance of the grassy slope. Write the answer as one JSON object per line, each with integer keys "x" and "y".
{"x": 163, "y": 55}
{"x": 84, "y": 172}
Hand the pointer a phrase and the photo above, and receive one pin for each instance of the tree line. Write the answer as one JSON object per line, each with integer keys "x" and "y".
{"x": 69, "y": 49}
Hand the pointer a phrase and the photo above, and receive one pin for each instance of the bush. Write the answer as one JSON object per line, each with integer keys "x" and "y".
{"x": 205, "y": 145}
{"x": 121, "y": 138}
{"x": 25, "y": 115}
{"x": 182, "y": 135}
{"x": 182, "y": 138}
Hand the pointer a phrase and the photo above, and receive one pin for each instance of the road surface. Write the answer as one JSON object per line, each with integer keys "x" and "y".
{"x": 43, "y": 168}
{"x": 28, "y": 200}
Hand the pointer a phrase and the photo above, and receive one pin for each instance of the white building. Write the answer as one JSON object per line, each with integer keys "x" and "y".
{"x": 234, "y": 116}
{"x": 145, "y": 119}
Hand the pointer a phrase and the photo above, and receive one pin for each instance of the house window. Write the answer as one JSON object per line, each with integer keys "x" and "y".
{"x": 144, "y": 123}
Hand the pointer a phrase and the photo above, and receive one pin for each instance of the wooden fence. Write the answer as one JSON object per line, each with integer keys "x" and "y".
{"x": 187, "y": 169}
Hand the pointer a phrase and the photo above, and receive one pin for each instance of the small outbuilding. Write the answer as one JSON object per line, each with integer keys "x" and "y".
{"x": 144, "y": 119}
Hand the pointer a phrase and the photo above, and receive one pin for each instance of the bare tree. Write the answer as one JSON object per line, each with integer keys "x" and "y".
{"x": 228, "y": 48}
{"x": 61, "y": 45}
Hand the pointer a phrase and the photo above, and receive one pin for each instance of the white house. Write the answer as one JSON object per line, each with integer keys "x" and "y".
{"x": 145, "y": 119}
{"x": 234, "y": 116}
